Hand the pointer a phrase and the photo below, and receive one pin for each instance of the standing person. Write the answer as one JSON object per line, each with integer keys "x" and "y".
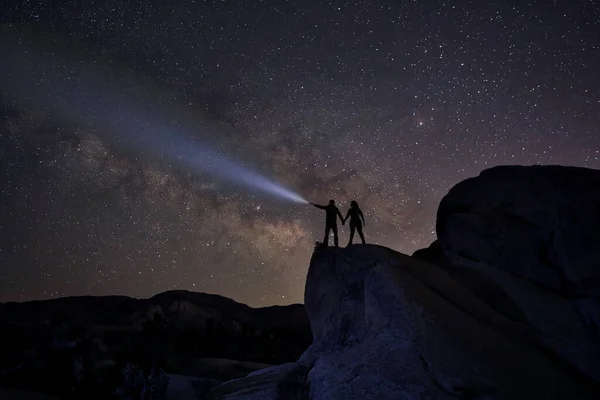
{"x": 331, "y": 214}
{"x": 356, "y": 215}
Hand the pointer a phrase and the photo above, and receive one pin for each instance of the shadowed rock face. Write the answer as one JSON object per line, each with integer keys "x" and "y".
{"x": 539, "y": 223}
{"x": 523, "y": 239}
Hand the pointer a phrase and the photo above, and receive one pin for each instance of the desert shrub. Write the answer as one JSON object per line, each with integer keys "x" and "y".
{"x": 139, "y": 385}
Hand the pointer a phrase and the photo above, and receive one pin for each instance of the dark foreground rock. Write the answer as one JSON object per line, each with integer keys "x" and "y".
{"x": 287, "y": 381}
{"x": 10, "y": 394}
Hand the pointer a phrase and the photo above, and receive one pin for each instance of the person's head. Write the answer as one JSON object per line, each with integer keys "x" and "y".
{"x": 331, "y": 202}
{"x": 354, "y": 204}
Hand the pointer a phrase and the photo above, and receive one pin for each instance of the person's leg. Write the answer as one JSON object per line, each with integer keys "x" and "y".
{"x": 352, "y": 228}
{"x": 360, "y": 233}
{"x": 326, "y": 239}
{"x": 335, "y": 235}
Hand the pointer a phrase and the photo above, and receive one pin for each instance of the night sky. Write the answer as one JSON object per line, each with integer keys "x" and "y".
{"x": 389, "y": 103}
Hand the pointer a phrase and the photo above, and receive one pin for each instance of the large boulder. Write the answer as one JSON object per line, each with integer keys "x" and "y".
{"x": 523, "y": 239}
{"x": 539, "y": 223}
{"x": 389, "y": 326}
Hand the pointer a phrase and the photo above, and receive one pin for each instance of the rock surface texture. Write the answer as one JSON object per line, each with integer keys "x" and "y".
{"x": 538, "y": 223}
{"x": 504, "y": 305}
{"x": 524, "y": 240}
{"x": 389, "y": 326}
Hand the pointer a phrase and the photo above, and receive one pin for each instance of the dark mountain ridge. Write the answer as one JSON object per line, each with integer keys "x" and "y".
{"x": 121, "y": 309}
{"x": 197, "y": 334}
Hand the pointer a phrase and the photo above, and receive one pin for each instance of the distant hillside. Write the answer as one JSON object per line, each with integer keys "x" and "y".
{"x": 175, "y": 330}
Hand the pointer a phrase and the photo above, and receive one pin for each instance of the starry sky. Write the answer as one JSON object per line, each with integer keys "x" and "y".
{"x": 389, "y": 103}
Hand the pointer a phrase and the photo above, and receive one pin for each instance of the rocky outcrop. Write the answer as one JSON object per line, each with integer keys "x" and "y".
{"x": 389, "y": 326}
{"x": 538, "y": 223}
{"x": 523, "y": 239}
{"x": 504, "y": 305}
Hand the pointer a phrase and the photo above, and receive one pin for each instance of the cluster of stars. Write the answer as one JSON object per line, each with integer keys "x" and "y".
{"x": 388, "y": 103}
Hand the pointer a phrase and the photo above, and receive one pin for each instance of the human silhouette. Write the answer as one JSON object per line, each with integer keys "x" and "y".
{"x": 331, "y": 214}
{"x": 356, "y": 215}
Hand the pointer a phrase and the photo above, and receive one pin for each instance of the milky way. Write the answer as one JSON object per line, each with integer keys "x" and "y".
{"x": 389, "y": 104}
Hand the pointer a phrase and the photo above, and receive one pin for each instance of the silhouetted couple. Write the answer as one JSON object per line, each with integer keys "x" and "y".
{"x": 357, "y": 220}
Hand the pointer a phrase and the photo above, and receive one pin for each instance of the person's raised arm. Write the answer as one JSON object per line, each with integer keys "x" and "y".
{"x": 318, "y": 206}
{"x": 362, "y": 217}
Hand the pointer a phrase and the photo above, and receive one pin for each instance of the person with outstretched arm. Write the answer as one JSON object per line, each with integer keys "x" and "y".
{"x": 331, "y": 215}
{"x": 357, "y": 220}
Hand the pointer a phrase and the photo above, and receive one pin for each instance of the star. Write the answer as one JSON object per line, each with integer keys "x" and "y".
{"x": 111, "y": 121}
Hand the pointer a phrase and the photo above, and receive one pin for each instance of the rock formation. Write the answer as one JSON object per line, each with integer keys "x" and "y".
{"x": 388, "y": 326}
{"x": 538, "y": 223}
{"x": 503, "y": 306}
{"x": 524, "y": 239}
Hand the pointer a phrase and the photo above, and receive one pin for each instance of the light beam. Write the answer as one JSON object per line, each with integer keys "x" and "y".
{"x": 136, "y": 111}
